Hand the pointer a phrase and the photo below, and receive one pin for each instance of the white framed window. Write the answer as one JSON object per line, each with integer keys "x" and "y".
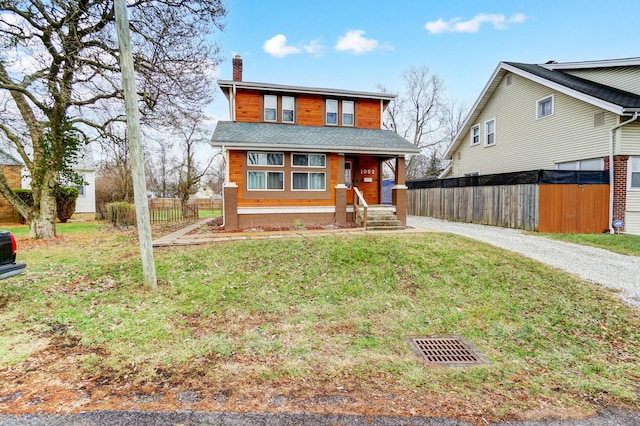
{"x": 331, "y": 112}
{"x": 265, "y": 159}
{"x": 81, "y": 188}
{"x": 263, "y": 180}
{"x": 475, "y": 135}
{"x": 308, "y": 181}
{"x": 592, "y": 164}
{"x": 490, "y": 132}
{"x": 308, "y": 160}
{"x": 270, "y": 108}
{"x": 544, "y": 107}
{"x": 347, "y": 113}
{"x": 288, "y": 107}
{"x": 634, "y": 172}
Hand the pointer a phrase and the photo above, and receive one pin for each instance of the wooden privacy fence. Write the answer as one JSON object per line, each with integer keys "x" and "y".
{"x": 542, "y": 200}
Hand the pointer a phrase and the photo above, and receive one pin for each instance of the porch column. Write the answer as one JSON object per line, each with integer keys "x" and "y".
{"x": 399, "y": 192}
{"x": 230, "y": 197}
{"x": 341, "y": 193}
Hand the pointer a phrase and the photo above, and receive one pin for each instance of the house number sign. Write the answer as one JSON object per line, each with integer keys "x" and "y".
{"x": 367, "y": 171}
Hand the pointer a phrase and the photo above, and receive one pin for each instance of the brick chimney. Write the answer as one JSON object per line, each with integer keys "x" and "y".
{"x": 237, "y": 68}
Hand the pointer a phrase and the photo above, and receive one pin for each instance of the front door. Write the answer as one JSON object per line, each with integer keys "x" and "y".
{"x": 349, "y": 178}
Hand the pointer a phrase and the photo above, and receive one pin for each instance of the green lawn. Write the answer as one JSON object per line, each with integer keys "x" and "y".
{"x": 305, "y": 317}
{"x": 618, "y": 243}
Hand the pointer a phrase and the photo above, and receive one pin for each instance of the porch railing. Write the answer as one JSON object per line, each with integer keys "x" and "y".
{"x": 358, "y": 201}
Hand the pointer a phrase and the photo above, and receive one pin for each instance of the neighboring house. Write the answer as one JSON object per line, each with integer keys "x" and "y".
{"x": 85, "y": 167}
{"x": 12, "y": 171}
{"x": 298, "y": 153}
{"x": 558, "y": 116}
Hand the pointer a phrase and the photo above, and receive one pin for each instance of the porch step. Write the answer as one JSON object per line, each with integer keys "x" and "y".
{"x": 380, "y": 218}
{"x": 385, "y": 228}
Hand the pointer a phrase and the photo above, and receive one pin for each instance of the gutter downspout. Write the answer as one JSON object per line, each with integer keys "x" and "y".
{"x": 233, "y": 103}
{"x": 611, "y": 171}
{"x": 224, "y": 154}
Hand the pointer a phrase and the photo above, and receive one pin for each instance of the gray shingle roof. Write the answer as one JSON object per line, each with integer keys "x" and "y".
{"x": 8, "y": 160}
{"x": 591, "y": 88}
{"x": 310, "y": 138}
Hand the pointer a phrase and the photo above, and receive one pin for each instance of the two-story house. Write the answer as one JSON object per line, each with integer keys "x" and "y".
{"x": 304, "y": 154}
{"x": 558, "y": 116}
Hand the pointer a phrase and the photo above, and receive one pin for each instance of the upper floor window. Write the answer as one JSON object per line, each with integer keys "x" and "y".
{"x": 308, "y": 160}
{"x": 332, "y": 112}
{"x": 544, "y": 107}
{"x": 270, "y": 108}
{"x": 265, "y": 159}
{"x": 634, "y": 172}
{"x": 475, "y": 135}
{"x": 347, "y": 113}
{"x": 288, "y": 103}
{"x": 490, "y": 132}
{"x": 81, "y": 188}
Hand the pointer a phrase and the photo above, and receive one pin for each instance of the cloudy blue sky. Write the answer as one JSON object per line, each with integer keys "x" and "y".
{"x": 354, "y": 44}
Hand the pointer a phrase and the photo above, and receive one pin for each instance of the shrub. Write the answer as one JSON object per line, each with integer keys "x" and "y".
{"x": 27, "y": 196}
{"x": 121, "y": 213}
{"x": 66, "y": 202}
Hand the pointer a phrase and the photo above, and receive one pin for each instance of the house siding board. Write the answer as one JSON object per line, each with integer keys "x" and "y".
{"x": 623, "y": 78}
{"x": 310, "y": 111}
{"x": 526, "y": 143}
{"x": 368, "y": 114}
{"x": 248, "y": 106}
{"x": 630, "y": 139}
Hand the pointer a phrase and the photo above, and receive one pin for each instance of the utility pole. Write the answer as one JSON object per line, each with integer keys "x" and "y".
{"x": 135, "y": 149}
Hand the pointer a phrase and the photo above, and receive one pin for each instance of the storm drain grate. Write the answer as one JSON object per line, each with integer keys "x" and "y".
{"x": 449, "y": 351}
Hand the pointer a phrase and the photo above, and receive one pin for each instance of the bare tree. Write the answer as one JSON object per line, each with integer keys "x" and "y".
{"x": 60, "y": 84}
{"x": 422, "y": 116}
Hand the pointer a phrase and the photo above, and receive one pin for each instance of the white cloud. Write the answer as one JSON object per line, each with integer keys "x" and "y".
{"x": 277, "y": 46}
{"x": 314, "y": 47}
{"x": 456, "y": 25}
{"x": 354, "y": 41}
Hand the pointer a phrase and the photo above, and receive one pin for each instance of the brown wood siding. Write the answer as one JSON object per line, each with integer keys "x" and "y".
{"x": 370, "y": 190}
{"x": 572, "y": 209}
{"x": 248, "y": 105}
{"x": 286, "y": 198}
{"x": 368, "y": 114}
{"x": 310, "y": 110}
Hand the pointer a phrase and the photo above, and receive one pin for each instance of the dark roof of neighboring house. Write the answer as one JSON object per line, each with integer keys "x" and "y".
{"x": 591, "y": 88}
{"x": 287, "y": 137}
{"x": 8, "y": 160}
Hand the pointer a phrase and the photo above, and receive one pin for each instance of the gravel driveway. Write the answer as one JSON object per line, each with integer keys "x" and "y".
{"x": 600, "y": 266}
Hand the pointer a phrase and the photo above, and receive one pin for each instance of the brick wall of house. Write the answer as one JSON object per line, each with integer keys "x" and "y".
{"x": 7, "y": 213}
{"x": 619, "y": 185}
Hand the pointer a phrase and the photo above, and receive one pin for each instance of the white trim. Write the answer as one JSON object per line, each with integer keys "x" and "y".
{"x": 230, "y": 185}
{"x": 629, "y": 173}
{"x": 553, "y": 107}
{"x": 307, "y": 154}
{"x": 341, "y": 186}
{"x": 266, "y": 172}
{"x": 446, "y": 171}
{"x": 308, "y": 173}
{"x": 353, "y": 113}
{"x": 306, "y": 90}
{"x": 323, "y": 149}
{"x": 479, "y": 135}
{"x": 350, "y": 208}
{"x": 265, "y": 152}
{"x": 281, "y": 210}
{"x": 624, "y": 62}
{"x": 399, "y": 187}
{"x": 486, "y": 133}
{"x": 264, "y": 108}
{"x": 326, "y": 112}
{"x": 293, "y": 110}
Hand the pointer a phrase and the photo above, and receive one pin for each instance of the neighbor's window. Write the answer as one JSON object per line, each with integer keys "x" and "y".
{"x": 81, "y": 191}
{"x": 592, "y": 164}
{"x": 303, "y": 181}
{"x": 332, "y": 112}
{"x": 490, "y": 132}
{"x": 288, "y": 103}
{"x": 475, "y": 135}
{"x": 263, "y": 180}
{"x": 634, "y": 172}
{"x": 347, "y": 113}
{"x": 265, "y": 159}
{"x": 545, "y": 107}
{"x": 308, "y": 160}
{"x": 270, "y": 107}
